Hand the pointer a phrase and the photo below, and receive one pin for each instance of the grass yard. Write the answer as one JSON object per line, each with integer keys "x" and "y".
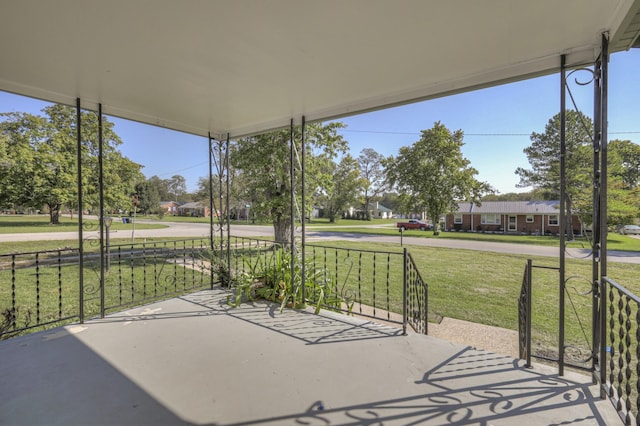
{"x": 614, "y": 241}
{"x": 19, "y": 224}
{"x": 476, "y": 286}
{"x": 481, "y": 287}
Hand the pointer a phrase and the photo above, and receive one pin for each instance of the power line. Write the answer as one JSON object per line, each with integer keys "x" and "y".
{"x": 381, "y": 132}
{"x": 182, "y": 170}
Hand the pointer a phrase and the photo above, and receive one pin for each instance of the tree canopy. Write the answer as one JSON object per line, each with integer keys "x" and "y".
{"x": 433, "y": 175}
{"x": 373, "y": 175}
{"x": 544, "y": 173}
{"x": 39, "y": 162}
{"x": 266, "y": 173}
{"x": 344, "y": 189}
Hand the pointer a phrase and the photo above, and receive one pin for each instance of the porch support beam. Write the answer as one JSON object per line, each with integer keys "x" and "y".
{"x": 304, "y": 207}
{"x": 80, "y": 211}
{"x": 101, "y": 215}
{"x": 602, "y": 229}
{"x": 211, "y": 204}
{"x": 562, "y": 218}
{"x": 292, "y": 171}
{"x": 227, "y": 208}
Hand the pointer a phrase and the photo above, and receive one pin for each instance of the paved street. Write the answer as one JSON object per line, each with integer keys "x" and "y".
{"x": 179, "y": 229}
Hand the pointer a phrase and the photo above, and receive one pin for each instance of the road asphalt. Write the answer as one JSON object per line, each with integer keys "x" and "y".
{"x": 179, "y": 229}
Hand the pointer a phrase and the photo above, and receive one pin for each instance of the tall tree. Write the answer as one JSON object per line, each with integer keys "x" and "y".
{"x": 623, "y": 190}
{"x": 42, "y": 163}
{"x": 544, "y": 157}
{"x": 624, "y": 162}
{"x": 372, "y": 172}
{"x": 265, "y": 166}
{"x": 148, "y": 197}
{"x": 344, "y": 188}
{"x": 432, "y": 174}
{"x": 544, "y": 175}
{"x": 177, "y": 187}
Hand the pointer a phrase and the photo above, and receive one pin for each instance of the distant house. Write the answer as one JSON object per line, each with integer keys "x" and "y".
{"x": 509, "y": 217}
{"x": 169, "y": 207}
{"x": 196, "y": 209}
{"x": 377, "y": 211}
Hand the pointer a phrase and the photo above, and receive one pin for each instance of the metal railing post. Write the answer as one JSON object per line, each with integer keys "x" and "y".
{"x": 529, "y": 313}
{"x": 80, "y": 213}
{"x": 562, "y": 217}
{"x": 405, "y": 315}
{"x": 101, "y": 215}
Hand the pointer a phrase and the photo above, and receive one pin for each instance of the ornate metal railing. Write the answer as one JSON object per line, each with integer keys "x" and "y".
{"x": 141, "y": 272}
{"x": 37, "y": 289}
{"x": 574, "y": 321}
{"x": 524, "y": 316}
{"x": 620, "y": 382}
{"x": 368, "y": 283}
{"x": 41, "y": 289}
{"x": 416, "y": 312}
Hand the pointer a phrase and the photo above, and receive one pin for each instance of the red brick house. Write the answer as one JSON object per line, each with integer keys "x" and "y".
{"x": 169, "y": 207}
{"x": 509, "y": 217}
{"x": 195, "y": 209}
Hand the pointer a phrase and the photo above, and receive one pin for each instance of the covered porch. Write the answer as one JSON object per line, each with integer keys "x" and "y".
{"x": 226, "y": 70}
{"x": 195, "y": 360}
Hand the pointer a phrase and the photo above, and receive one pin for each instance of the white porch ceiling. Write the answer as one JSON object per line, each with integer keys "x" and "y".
{"x": 247, "y": 66}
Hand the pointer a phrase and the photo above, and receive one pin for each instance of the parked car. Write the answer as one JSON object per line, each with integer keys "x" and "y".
{"x": 630, "y": 230}
{"x": 413, "y": 224}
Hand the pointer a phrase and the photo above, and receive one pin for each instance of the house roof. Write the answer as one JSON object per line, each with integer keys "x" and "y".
{"x": 379, "y": 207}
{"x": 194, "y": 205}
{"x": 247, "y": 66}
{"x": 511, "y": 207}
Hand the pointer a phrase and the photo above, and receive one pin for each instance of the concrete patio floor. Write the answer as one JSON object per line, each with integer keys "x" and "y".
{"x": 194, "y": 360}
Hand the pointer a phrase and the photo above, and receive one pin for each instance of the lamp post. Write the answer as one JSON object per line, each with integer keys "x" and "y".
{"x": 107, "y": 224}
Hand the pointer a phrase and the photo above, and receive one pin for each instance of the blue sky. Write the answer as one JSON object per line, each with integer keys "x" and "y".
{"x": 496, "y": 122}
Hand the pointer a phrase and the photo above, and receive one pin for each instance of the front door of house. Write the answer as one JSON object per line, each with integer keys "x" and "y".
{"x": 513, "y": 224}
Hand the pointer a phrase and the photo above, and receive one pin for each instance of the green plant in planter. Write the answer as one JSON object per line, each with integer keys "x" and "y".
{"x": 270, "y": 276}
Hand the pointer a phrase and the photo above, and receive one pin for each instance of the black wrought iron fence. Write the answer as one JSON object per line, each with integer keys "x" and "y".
{"x": 140, "y": 272}
{"x": 570, "y": 316}
{"x": 369, "y": 283}
{"x": 524, "y": 316}
{"x": 43, "y": 288}
{"x": 37, "y": 289}
{"x": 417, "y": 297}
{"x": 619, "y": 372}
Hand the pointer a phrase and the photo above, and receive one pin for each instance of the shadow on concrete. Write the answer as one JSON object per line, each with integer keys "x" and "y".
{"x": 52, "y": 378}
{"x": 470, "y": 388}
{"x": 196, "y": 360}
{"x": 301, "y": 324}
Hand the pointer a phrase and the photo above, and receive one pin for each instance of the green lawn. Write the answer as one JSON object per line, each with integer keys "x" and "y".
{"x": 481, "y": 287}
{"x": 615, "y": 241}
{"x": 484, "y": 288}
{"x": 19, "y": 224}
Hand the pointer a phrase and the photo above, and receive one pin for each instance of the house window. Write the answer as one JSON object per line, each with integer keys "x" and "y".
{"x": 457, "y": 218}
{"x": 553, "y": 220}
{"x": 529, "y": 218}
{"x": 490, "y": 219}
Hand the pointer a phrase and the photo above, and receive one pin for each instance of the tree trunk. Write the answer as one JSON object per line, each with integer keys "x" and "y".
{"x": 569, "y": 221}
{"x": 54, "y": 215}
{"x": 282, "y": 230}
